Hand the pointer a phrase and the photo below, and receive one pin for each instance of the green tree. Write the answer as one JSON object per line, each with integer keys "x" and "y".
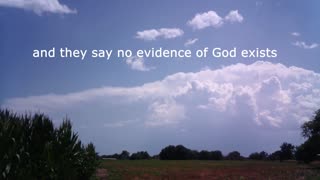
{"x": 234, "y": 155}
{"x": 286, "y": 151}
{"x": 216, "y": 155}
{"x": 274, "y": 156}
{"x": 312, "y": 128}
{"x": 140, "y": 155}
{"x": 124, "y": 155}
{"x": 178, "y": 152}
{"x": 258, "y": 156}
{"x": 310, "y": 149}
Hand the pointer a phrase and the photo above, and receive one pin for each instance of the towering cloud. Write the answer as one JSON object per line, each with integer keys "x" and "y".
{"x": 274, "y": 95}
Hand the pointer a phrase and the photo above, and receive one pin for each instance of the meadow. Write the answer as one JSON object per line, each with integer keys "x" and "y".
{"x": 205, "y": 169}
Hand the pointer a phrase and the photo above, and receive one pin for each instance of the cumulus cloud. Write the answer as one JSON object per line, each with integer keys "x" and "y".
{"x": 165, "y": 112}
{"x": 153, "y": 34}
{"x": 189, "y": 42}
{"x": 234, "y": 17}
{"x": 206, "y": 19}
{"x": 137, "y": 63}
{"x": 39, "y": 6}
{"x": 270, "y": 95}
{"x": 212, "y": 19}
{"x": 304, "y": 45}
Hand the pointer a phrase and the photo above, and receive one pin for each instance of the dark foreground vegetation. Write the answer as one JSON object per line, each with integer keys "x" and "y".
{"x": 32, "y": 148}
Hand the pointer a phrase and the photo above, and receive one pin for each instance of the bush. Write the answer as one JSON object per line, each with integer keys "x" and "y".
{"x": 31, "y": 148}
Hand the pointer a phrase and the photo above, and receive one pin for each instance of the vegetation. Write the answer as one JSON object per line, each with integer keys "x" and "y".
{"x": 287, "y": 151}
{"x": 235, "y": 155}
{"x": 180, "y": 152}
{"x": 32, "y": 148}
{"x": 140, "y": 155}
{"x": 259, "y": 156}
{"x": 310, "y": 149}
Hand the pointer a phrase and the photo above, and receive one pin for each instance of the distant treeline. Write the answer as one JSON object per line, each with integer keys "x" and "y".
{"x": 180, "y": 152}
{"x": 307, "y": 152}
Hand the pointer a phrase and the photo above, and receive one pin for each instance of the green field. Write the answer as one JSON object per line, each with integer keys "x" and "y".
{"x": 189, "y": 169}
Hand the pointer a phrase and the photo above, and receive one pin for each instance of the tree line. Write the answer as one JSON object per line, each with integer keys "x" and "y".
{"x": 180, "y": 152}
{"x": 306, "y": 152}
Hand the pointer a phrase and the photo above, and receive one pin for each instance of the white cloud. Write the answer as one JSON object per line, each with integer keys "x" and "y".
{"x": 39, "y": 6}
{"x": 189, "y": 42}
{"x": 165, "y": 112}
{"x": 137, "y": 63}
{"x": 153, "y": 34}
{"x": 212, "y": 19}
{"x": 304, "y": 45}
{"x": 295, "y": 34}
{"x": 234, "y": 17}
{"x": 271, "y": 95}
{"x": 206, "y": 19}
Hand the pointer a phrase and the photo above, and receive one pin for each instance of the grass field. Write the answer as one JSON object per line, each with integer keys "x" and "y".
{"x": 189, "y": 169}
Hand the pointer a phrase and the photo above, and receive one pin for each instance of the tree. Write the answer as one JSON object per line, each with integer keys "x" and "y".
{"x": 310, "y": 149}
{"x": 258, "y": 156}
{"x": 216, "y": 155}
{"x": 210, "y": 155}
{"x": 168, "y": 153}
{"x": 287, "y": 151}
{"x": 124, "y": 155}
{"x": 178, "y": 152}
{"x": 140, "y": 155}
{"x": 274, "y": 156}
{"x": 204, "y": 155}
{"x": 234, "y": 155}
{"x": 312, "y": 128}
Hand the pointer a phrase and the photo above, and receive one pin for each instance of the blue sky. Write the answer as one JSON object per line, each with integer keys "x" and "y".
{"x": 146, "y": 104}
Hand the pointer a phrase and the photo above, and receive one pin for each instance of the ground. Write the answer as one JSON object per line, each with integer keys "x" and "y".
{"x": 157, "y": 169}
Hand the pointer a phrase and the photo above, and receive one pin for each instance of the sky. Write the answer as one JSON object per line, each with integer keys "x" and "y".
{"x": 133, "y": 103}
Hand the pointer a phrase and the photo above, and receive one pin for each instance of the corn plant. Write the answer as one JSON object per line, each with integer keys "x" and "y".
{"x": 31, "y": 148}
